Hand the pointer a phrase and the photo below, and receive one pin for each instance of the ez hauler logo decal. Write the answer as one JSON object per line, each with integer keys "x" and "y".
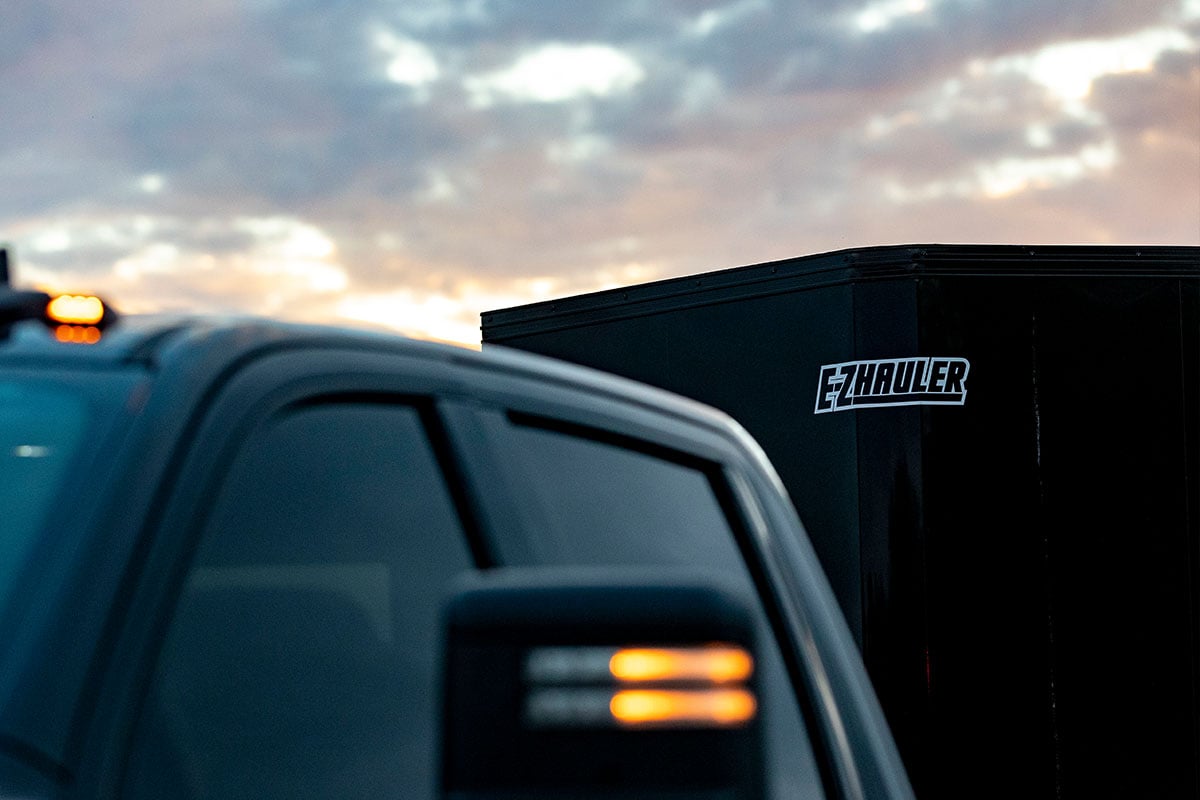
{"x": 931, "y": 381}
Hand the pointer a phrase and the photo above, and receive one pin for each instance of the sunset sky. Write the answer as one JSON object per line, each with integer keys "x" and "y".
{"x": 410, "y": 164}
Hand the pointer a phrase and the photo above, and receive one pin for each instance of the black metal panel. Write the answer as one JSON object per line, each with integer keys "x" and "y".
{"x": 1021, "y": 570}
{"x": 893, "y": 588}
{"x": 990, "y": 692}
{"x": 1060, "y": 549}
{"x": 1119, "y": 540}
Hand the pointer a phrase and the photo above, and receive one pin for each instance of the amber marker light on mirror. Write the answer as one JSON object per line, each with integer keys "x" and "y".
{"x": 683, "y": 707}
{"x": 700, "y": 686}
{"x": 713, "y": 664}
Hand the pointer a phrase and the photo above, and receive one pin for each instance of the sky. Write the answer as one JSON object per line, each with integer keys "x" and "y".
{"x": 408, "y": 164}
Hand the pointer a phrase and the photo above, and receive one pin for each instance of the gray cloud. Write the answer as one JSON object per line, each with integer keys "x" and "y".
{"x": 811, "y": 47}
{"x": 1167, "y": 98}
{"x": 756, "y": 130}
{"x": 28, "y": 24}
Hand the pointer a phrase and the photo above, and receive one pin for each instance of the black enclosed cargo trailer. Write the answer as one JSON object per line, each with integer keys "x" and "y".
{"x": 996, "y": 452}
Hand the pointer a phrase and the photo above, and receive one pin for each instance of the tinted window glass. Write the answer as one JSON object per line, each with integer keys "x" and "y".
{"x": 600, "y": 504}
{"x": 301, "y": 661}
{"x": 620, "y": 506}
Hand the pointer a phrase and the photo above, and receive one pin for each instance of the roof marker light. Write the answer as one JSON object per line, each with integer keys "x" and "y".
{"x": 77, "y": 334}
{"x": 74, "y": 318}
{"x": 76, "y": 309}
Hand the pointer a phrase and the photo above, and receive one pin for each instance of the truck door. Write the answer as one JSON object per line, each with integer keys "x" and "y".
{"x": 301, "y": 656}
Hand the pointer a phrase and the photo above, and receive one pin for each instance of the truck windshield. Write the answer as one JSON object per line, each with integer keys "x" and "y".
{"x": 56, "y": 440}
{"x": 41, "y": 428}
{"x": 64, "y": 425}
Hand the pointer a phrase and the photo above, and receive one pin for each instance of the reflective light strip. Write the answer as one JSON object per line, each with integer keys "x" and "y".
{"x": 562, "y": 665}
{"x": 712, "y": 664}
{"x": 569, "y": 708}
{"x": 683, "y": 708}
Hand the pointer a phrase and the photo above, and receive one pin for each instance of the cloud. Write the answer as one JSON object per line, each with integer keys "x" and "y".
{"x": 409, "y": 62}
{"x": 1163, "y": 98}
{"x": 1069, "y": 69}
{"x": 553, "y": 73}
{"x": 27, "y": 26}
{"x": 897, "y": 45}
{"x": 410, "y": 164}
{"x": 1026, "y": 121}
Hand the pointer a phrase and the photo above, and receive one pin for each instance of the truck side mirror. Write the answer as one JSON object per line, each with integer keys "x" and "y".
{"x": 599, "y": 685}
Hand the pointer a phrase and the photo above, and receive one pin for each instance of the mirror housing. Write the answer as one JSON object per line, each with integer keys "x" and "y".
{"x": 600, "y": 685}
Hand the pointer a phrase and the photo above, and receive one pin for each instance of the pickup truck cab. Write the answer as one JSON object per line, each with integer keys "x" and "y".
{"x": 229, "y": 546}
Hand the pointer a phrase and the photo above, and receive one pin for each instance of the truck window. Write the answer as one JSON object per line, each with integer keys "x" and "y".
{"x": 600, "y": 503}
{"x": 301, "y": 659}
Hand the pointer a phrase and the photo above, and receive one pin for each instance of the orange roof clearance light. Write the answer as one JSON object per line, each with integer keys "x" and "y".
{"x": 76, "y": 309}
{"x": 77, "y": 334}
{"x": 686, "y": 708}
{"x": 712, "y": 664}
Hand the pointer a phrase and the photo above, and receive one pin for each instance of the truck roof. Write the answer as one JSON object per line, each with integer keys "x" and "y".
{"x": 210, "y": 344}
